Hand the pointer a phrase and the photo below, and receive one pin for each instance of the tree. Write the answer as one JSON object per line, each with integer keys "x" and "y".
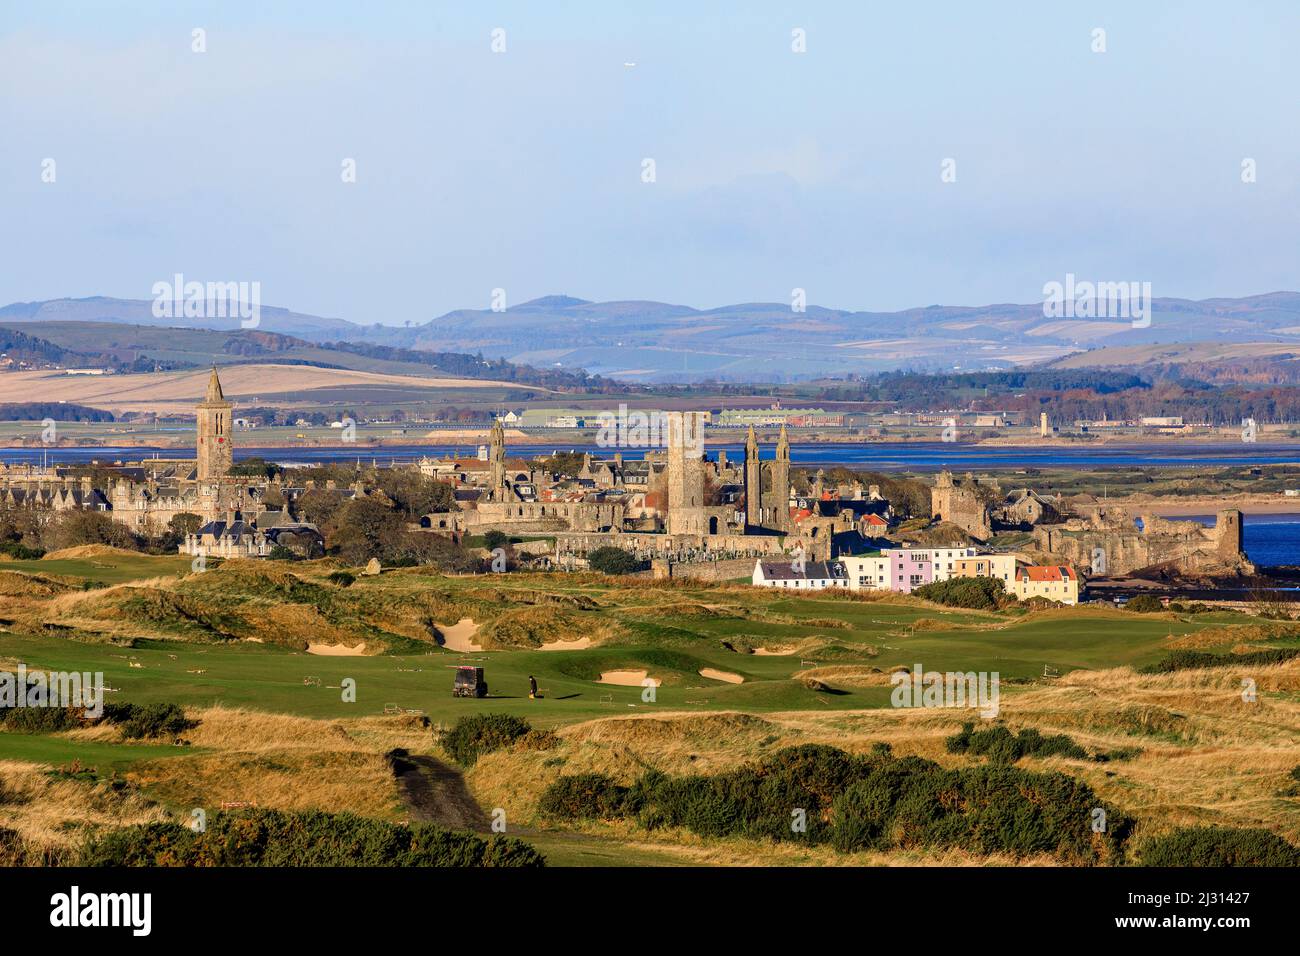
{"x": 319, "y": 506}
{"x": 364, "y": 528}
{"x": 611, "y": 560}
{"x": 415, "y": 494}
{"x": 70, "y": 529}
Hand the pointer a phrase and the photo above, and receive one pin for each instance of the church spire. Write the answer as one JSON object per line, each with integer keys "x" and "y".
{"x": 214, "y": 388}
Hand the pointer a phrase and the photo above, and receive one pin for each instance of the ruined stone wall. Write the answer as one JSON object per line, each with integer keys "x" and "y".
{"x": 1110, "y": 544}
{"x": 958, "y": 502}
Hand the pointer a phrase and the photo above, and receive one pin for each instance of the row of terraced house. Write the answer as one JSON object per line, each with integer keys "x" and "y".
{"x": 905, "y": 569}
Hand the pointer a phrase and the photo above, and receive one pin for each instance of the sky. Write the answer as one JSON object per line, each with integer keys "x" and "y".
{"x": 524, "y": 170}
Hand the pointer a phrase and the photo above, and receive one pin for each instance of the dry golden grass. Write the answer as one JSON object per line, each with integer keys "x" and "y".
{"x": 1205, "y": 754}
{"x": 53, "y": 813}
{"x": 283, "y": 762}
{"x": 275, "y": 761}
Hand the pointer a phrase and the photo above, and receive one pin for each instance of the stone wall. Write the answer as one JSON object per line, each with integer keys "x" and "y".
{"x": 1110, "y": 544}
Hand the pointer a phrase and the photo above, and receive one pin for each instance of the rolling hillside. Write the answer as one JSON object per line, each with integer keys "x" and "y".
{"x": 646, "y": 341}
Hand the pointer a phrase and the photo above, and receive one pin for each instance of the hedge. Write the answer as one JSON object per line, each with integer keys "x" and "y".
{"x": 1218, "y": 846}
{"x": 306, "y": 838}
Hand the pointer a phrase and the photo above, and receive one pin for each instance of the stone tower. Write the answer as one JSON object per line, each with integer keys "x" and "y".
{"x": 1228, "y": 536}
{"x": 215, "y": 454}
{"x": 781, "y": 483}
{"x": 685, "y": 472}
{"x": 497, "y": 462}
{"x": 753, "y": 482}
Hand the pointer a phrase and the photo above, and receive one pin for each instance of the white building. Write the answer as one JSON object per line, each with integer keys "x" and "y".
{"x": 867, "y": 572}
{"x": 943, "y": 561}
{"x": 811, "y": 576}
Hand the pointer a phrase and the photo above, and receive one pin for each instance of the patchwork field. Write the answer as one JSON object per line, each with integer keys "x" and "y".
{"x": 263, "y": 655}
{"x": 176, "y": 392}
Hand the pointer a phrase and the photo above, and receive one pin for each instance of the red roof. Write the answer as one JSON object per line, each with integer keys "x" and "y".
{"x": 877, "y": 520}
{"x": 1054, "y": 572}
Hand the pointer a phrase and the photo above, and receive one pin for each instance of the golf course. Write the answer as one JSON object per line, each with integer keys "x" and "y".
{"x": 303, "y": 679}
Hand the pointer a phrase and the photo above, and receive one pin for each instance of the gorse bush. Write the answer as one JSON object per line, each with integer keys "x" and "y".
{"x": 1144, "y": 604}
{"x": 41, "y": 720}
{"x": 984, "y": 809}
{"x": 307, "y": 838}
{"x": 148, "y": 720}
{"x": 1194, "y": 660}
{"x": 586, "y": 796}
{"x": 135, "y": 720}
{"x": 479, "y": 734}
{"x": 820, "y": 794}
{"x": 1218, "y": 846}
{"x": 20, "y": 552}
{"x": 1002, "y": 746}
{"x": 979, "y": 593}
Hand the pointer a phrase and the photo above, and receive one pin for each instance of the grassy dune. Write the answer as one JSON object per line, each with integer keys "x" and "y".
{"x": 230, "y": 645}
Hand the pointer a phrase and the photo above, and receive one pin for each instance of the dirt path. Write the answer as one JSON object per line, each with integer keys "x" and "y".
{"x": 436, "y": 793}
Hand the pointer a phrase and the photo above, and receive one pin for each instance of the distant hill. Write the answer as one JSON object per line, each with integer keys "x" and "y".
{"x": 140, "y": 312}
{"x": 647, "y": 341}
{"x": 147, "y": 348}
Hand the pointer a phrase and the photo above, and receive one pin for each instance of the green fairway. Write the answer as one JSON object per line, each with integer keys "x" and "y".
{"x": 107, "y": 569}
{"x": 59, "y": 750}
{"x": 269, "y": 678}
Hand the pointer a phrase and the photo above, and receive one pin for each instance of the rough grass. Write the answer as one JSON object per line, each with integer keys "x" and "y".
{"x": 1205, "y": 755}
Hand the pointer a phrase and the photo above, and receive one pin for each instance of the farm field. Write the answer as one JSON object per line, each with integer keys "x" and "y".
{"x": 260, "y": 653}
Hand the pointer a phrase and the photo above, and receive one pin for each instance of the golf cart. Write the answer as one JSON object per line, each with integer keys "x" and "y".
{"x": 469, "y": 683}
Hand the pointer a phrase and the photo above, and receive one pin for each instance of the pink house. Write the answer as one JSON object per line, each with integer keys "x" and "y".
{"x": 908, "y": 569}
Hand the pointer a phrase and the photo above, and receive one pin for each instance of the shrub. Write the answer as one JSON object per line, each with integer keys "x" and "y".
{"x": 980, "y": 593}
{"x": 343, "y": 579}
{"x": 611, "y": 560}
{"x": 1218, "y": 846}
{"x": 281, "y": 553}
{"x": 41, "y": 720}
{"x": 861, "y": 802}
{"x": 495, "y": 539}
{"x": 985, "y": 809}
{"x": 1002, "y": 746}
{"x": 20, "y": 552}
{"x": 586, "y": 796}
{"x": 1193, "y": 660}
{"x": 479, "y": 734}
{"x": 1144, "y": 604}
{"x": 139, "y": 721}
{"x": 305, "y": 838}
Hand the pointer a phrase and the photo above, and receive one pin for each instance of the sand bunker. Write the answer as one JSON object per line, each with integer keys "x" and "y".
{"x": 628, "y": 678}
{"x": 337, "y": 650}
{"x": 578, "y": 645}
{"x": 712, "y": 673}
{"x": 772, "y": 652}
{"x": 460, "y": 636}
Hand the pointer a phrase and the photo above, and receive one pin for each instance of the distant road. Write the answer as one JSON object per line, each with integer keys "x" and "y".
{"x": 882, "y": 456}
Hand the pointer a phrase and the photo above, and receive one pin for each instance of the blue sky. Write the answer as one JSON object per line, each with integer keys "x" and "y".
{"x": 522, "y": 170}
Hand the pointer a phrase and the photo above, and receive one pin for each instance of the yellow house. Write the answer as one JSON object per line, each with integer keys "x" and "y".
{"x": 1054, "y": 582}
{"x": 1000, "y": 566}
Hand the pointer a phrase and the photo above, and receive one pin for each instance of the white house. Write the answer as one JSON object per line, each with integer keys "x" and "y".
{"x": 943, "y": 561}
{"x": 812, "y": 576}
{"x": 867, "y": 572}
